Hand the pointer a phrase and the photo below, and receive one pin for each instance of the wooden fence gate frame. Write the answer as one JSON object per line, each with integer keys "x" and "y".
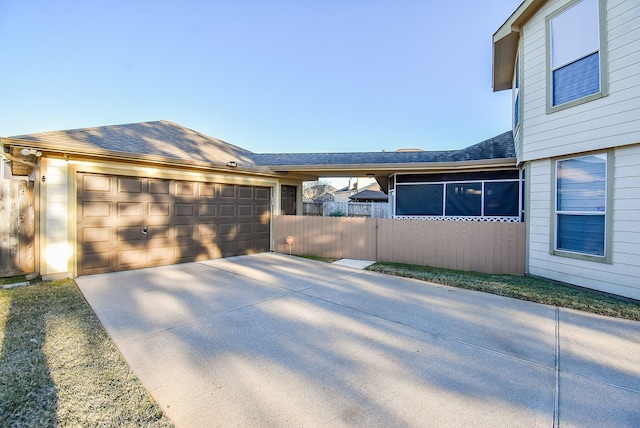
{"x": 17, "y": 227}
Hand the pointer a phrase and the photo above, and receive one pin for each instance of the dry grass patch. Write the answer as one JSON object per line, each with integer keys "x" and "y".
{"x": 58, "y": 367}
{"x": 520, "y": 287}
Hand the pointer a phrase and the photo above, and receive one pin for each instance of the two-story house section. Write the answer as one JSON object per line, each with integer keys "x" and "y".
{"x": 573, "y": 67}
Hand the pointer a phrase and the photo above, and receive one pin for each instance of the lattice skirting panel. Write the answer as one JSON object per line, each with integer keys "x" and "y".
{"x": 485, "y": 219}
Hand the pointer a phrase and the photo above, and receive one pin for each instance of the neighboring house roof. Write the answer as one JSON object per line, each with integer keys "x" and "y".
{"x": 370, "y": 195}
{"x": 499, "y": 147}
{"x": 372, "y": 192}
{"x": 161, "y": 138}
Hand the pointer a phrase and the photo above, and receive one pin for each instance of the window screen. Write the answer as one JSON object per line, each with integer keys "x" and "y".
{"x": 576, "y": 80}
{"x": 581, "y": 234}
{"x": 464, "y": 199}
{"x": 419, "y": 199}
{"x": 501, "y": 198}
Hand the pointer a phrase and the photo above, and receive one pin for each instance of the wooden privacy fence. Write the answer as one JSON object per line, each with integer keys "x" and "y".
{"x": 346, "y": 209}
{"x": 17, "y": 227}
{"x": 487, "y": 247}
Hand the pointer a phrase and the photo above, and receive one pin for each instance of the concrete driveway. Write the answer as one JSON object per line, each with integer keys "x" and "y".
{"x": 274, "y": 340}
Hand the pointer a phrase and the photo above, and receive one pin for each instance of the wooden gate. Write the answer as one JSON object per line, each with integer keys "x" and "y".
{"x": 17, "y": 228}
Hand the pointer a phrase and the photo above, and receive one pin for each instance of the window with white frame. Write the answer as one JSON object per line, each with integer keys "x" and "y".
{"x": 581, "y": 205}
{"x": 575, "y": 46}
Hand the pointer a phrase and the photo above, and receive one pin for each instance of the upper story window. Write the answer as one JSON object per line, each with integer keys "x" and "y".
{"x": 575, "y": 54}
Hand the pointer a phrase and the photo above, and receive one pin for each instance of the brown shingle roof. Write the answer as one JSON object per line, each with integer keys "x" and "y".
{"x": 160, "y": 138}
{"x": 167, "y": 140}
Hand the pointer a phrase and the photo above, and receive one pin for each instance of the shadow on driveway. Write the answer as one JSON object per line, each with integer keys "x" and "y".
{"x": 275, "y": 340}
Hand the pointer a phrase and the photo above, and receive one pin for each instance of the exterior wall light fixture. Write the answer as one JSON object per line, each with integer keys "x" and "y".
{"x": 27, "y": 152}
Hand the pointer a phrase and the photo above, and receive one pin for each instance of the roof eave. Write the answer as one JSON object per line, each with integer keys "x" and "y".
{"x": 401, "y": 167}
{"x": 505, "y": 44}
{"x": 68, "y": 152}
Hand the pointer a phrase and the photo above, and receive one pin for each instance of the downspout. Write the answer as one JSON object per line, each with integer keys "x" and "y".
{"x": 36, "y": 209}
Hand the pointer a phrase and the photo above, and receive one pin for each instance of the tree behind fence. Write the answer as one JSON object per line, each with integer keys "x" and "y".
{"x": 488, "y": 247}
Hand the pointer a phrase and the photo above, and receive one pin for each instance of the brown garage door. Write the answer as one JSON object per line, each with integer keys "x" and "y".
{"x": 130, "y": 222}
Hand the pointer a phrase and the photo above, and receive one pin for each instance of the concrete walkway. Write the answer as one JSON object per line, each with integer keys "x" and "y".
{"x": 273, "y": 340}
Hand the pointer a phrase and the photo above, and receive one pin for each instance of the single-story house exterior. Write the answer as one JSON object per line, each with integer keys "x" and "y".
{"x": 145, "y": 194}
{"x": 573, "y": 68}
{"x": 371, "y": 193}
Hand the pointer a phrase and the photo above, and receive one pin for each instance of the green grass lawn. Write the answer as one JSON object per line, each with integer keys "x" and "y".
{"x": 58, "y": 367}
{"x": 520, "y": 287}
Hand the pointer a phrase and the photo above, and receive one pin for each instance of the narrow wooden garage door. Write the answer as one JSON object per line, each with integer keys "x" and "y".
{"x": 131, "y": 223}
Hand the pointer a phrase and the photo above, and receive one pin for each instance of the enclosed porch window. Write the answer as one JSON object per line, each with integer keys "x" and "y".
{"x": 476, "y": 196}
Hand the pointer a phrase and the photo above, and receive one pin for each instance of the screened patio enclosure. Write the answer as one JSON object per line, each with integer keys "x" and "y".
{"x": 479, "y": 196}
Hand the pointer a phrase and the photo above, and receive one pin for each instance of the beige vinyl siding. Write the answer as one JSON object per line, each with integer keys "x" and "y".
{"x": 622, "y": 276}
{"x": 56, "y": 248}
{"x": 607, "y": 122}
{"x": 539, "y": 209}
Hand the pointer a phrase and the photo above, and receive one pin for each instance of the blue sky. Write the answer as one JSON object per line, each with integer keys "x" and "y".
{"x": 269, "y": 76}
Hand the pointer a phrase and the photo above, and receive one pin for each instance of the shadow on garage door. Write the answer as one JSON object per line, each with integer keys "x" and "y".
{"x": 132, "y": 222}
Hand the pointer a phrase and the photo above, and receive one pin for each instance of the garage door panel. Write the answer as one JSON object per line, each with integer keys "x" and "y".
{"x": 96, "y": 209}
{"x": 262, "y": 228}
{"x": 207, "y": 229}
{"x": 159, "y": 187}
{"x": 261, "y": 194}
{"x": 227, "y": 229}
{"x": 244, "y": 228}
{"x": 185, "y": 211}
{"x": 262, "y": 245}
{"x": 97, "y": 184}
{"x": 97, "y": 263}
{"x": 184, "y": 188}
{"x": 228, "y": 249}
{"x": 262, "y": 210}
{"x": 96, "y": 235}
{"x": 130, "y": 234}
{"x": 245, "y": 192}
{"x": 130, "y": 259}
{"x": 227, "y": 210}
{"x": 159, "y": 232}
{"x": 185, "y": 221}
{"x": 245, "y": 210}
{"x": 130, "y": 185}
{"x": 207, "y": 190}
{"x": 244, "y": 245}
{"x": 130, "y": 209}
{"x": 184, "y": 231}
{"x": 210, "y": 250}
{"x": 186, "y": 253}
{"x": 226, "y": 191}
{"x": 160, "y": 256}
{"x": 160, "y": 210}
{"x": 207, "y": 210}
